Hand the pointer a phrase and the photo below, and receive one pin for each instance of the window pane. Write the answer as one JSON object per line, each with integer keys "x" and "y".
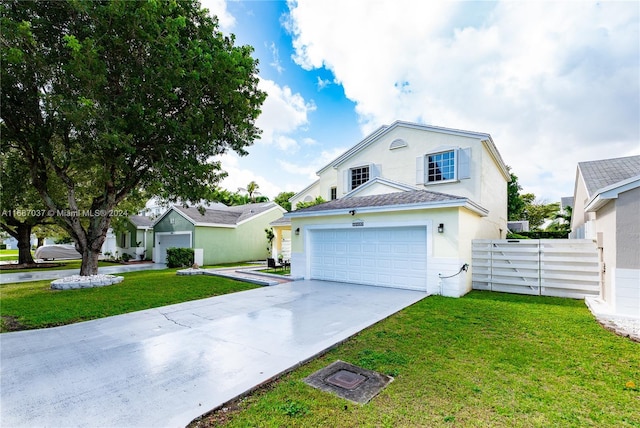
{"x": 359, "y": 176}
{"x": 441, "y": 166}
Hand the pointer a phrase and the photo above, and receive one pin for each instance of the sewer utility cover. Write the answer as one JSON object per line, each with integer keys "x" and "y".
{"x": 348, "y": 381}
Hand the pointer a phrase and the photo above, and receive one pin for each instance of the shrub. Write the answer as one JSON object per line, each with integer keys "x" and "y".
{"x": 126, "y": 257}
{"x": 179, "y": 257}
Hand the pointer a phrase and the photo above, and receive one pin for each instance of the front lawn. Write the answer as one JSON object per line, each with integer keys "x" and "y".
{"x": 34, "y": 305}
{"x": 488, "y": 359}
{"x": 8, "y": 255}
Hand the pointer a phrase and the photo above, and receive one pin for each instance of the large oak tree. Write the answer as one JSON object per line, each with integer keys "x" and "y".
{"x": 111, "y": 97}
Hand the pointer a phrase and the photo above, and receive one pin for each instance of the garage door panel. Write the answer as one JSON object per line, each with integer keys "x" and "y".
{"x": 180, "y": 240}
{"x": 384, "y": 248}
{"x": 392, "y": 257}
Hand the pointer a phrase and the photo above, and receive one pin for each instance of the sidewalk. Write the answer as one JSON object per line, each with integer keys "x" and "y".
{"x": 17, "y": 276}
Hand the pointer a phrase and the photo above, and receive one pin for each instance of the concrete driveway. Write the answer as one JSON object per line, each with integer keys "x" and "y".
{"x": 166, "y": 366}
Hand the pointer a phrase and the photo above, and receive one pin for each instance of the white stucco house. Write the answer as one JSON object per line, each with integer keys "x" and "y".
{"x": 606, "y": 209}
{"x": 403, "y": 206}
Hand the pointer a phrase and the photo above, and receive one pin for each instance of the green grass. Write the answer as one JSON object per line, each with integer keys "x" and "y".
{"x": 282, "y": 272}
{"x": 485, "y": 360}
{"x": 34, "y": 305}
{"x": 7, "y": 255}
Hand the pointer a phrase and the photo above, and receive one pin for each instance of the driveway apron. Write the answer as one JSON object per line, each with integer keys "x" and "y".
{"x": 168, "y": 365}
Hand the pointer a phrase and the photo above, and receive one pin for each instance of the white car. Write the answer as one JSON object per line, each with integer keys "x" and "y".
{"x": 57, "y": 252}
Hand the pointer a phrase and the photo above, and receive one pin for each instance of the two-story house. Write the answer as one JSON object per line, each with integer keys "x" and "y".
{"x": 403, "y": 206}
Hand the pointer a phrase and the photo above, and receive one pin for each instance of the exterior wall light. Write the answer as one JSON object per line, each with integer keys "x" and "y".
{"x": 352, "y": 212}
{"x": 298, "y": 231}
{"x": 441, "y": 228}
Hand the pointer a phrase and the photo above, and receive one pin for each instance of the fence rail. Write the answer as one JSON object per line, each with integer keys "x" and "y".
{"x": 544, "y": 267}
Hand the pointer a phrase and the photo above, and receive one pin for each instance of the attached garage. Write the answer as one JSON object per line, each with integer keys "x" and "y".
{"x": 171, "y": 240}
{"x": 386, "y": 256}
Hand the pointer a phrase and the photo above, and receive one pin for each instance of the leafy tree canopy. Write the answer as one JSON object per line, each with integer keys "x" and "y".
{"x": 317, "y": 201}
{"x": 282, "y": 199}
{"x": 112, "y": 96}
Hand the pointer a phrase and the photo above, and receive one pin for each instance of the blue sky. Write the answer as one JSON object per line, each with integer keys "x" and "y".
{"x": 554, "y": 83}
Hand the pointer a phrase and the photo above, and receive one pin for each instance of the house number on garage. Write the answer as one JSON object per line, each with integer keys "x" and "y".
{"x": 357, "y": 223}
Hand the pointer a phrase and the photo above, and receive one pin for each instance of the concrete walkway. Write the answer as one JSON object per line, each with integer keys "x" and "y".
{"x": 7, "y": 278}
{"x": 166, "y": 366}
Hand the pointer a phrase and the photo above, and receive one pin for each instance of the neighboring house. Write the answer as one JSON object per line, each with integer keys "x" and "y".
{"x": 218, "y": 235}
{"x": 605, "y": 208}
{"x": 404, "y": 205}
{"x": 138, "y": 229}
{"x": 518, "y": 226}
{"x": 281, "y": 245}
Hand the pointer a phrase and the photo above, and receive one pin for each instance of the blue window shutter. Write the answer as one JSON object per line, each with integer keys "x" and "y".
{"x": 420, "y": 170}
{"x": 375, "y": 170}
{"x": 346, "y": 182}
{"x": 464, "y": 163}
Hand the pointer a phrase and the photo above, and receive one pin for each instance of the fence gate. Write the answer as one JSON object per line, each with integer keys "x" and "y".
{"x": 544, "y": 267}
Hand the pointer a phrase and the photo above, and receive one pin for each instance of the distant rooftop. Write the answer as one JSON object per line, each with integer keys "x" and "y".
{"x": 224, "y": 215}
{"x": 602, "y": 173}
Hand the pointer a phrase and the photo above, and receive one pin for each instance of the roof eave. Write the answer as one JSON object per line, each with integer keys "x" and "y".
{"x": 464, "y": 203}
{"x": 604, "y": 195}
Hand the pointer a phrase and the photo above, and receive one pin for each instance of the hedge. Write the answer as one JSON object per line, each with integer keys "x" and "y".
{"x": 538, "y": 234}
{"x": 179, "y": 257}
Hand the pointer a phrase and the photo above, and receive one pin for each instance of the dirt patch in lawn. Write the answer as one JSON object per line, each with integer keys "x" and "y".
{"x": 10, "y": 323}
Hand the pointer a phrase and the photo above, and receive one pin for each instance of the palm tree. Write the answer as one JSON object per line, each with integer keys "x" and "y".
{"x": 252, "y": 188}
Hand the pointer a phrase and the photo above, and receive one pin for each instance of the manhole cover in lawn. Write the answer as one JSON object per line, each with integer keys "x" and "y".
{"x": 348, "y": 381}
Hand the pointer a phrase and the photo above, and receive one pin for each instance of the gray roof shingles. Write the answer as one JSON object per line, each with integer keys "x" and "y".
{"x": 605, "y": 172}
{"x": 413, "y": 197}
{"x": 140, "y": 221}
{"x": 228, "y": 216}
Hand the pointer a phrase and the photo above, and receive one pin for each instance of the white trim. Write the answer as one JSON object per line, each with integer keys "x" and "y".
{"x": 604, "y": 195}
{"x": 386, "y": 129}
{"x": 221, "y": 225}
{"x": 497, "y": 159}
{"x": 465, "y": 203}
{"x": 304, "y": 190}
{"x": 166, "y": 213}
{"x": 274, "y": 207}
{"x": 395, "y": 184}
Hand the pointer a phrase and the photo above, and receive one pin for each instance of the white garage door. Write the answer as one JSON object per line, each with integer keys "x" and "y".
{"x": 170, "y": 241}
{"x": 390, "y": 257}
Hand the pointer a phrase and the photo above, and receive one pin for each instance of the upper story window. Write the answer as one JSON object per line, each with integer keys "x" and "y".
{"x": 359, "y": 175}
{"x": 441, "y": 166}
{"x": 333, "y": 193}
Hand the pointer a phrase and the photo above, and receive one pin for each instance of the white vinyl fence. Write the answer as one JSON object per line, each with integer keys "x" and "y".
{"x": 544, "y": 267}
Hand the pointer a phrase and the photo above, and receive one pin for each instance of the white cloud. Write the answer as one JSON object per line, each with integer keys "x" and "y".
{"x": 219, "y": 9}
{"x": 555, "y": 83}
{"x": 283, "y": 113}
{"x": 239, "y": 177}
{"x": 275, "y": 63}
{"x": 308, "y": 169}
{"x": 323, "y": 83}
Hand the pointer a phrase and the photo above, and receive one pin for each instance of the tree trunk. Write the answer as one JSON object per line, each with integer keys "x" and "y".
{"x": 89, "y": 264}
{"x": 95, "y": 236}
{"x": 24, "y": 244}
